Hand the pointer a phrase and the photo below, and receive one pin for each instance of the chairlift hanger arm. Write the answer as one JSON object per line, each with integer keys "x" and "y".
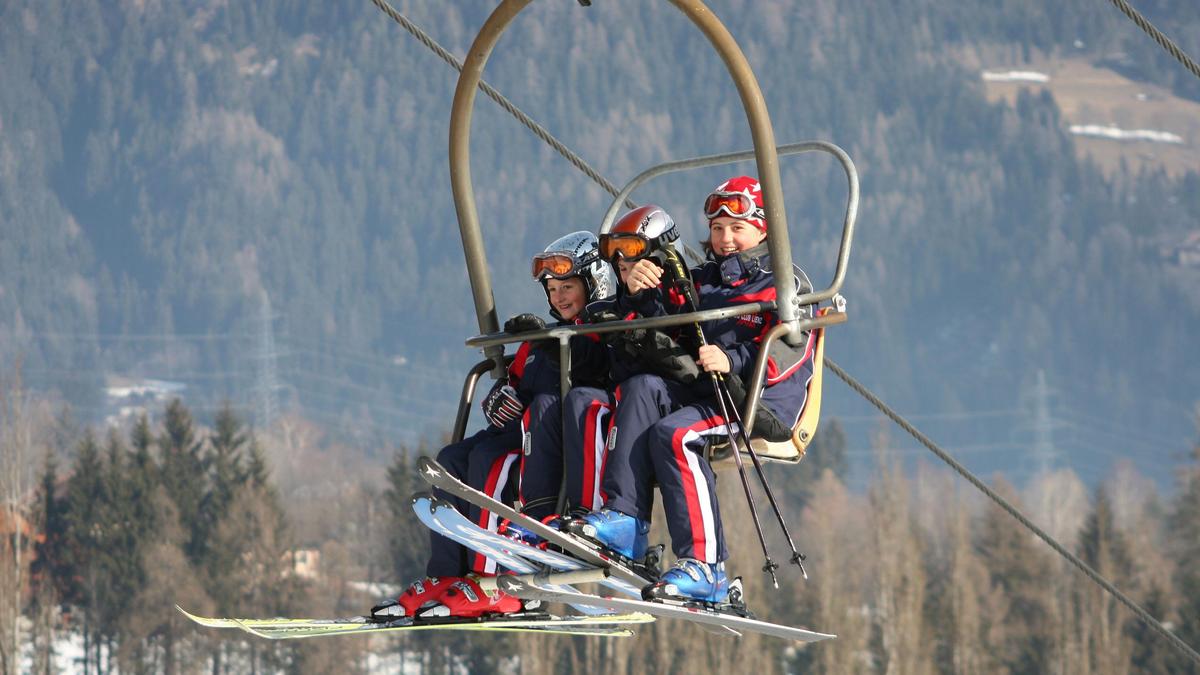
{"x": 460, "y": 170}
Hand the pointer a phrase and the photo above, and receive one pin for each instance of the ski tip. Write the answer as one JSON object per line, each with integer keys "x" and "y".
{"x": 511, "y": 585}
{"x": 418, "y": 497}
{"x": 203, "y": 621}
{"x": 439, "y": 503}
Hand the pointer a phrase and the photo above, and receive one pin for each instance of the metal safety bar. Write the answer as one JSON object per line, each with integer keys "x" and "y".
{"x": 563, "y": 333}
{"x": 468, "y": 395}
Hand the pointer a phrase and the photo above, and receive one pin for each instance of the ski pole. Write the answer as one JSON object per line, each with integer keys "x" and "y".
{"x": 672, "y": 257}
{"x": 797, "y": 557}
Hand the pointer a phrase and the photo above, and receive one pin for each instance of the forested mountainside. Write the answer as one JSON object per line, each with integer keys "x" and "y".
{"x": 253, "y": 198}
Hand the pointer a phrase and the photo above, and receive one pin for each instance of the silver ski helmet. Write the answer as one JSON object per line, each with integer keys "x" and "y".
{"x": 576, "y": 255}
{"x": 638, "y": 234}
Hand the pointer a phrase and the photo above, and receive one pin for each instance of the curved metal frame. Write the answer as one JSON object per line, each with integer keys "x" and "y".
{"x": 460, "y": 169}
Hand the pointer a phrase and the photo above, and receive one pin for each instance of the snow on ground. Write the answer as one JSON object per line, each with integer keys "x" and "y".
{"x": 68, "y": 654}
{"x": 1118, "y": 134}
{"x": 1015, "y": 76}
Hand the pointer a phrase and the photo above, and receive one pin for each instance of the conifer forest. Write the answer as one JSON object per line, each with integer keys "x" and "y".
{"x": 233, "y": 307}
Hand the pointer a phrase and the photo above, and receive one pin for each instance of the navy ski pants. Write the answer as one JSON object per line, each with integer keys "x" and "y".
{"x": 588, "y": 411}
{"x": 486, "y": 462}
{"x": 660, "y": 435}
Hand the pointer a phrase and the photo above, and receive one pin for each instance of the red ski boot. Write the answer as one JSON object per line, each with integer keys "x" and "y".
{"x": 419, "y": 594}
{"x": 465, "y": 598}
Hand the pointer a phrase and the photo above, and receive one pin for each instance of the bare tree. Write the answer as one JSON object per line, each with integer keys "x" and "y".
{"x": 900, "y": 573}
{"x": 833, "y": 528}
{"x": 18, "y": 434}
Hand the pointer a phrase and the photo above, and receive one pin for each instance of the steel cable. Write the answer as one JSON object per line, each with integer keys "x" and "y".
{"x": 503, "y": 102}
{"x": 1012, "y": 511}
{"x": 1161, "y": 39}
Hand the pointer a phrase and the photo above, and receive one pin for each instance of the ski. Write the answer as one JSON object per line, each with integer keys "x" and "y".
{"x": 441, "y": 517}
{"x": 530, "y": 590}
{"x": 458, "y": 527}
{"x": 609, "y": 625}
{"x": 434, "y": 474}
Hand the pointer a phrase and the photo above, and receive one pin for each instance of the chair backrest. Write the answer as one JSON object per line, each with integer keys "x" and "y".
{"x": 720, "y": 454}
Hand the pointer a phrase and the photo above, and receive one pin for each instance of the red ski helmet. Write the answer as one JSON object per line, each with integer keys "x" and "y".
{"x": 739, "y": 197}
{"x": 638, "y": 233}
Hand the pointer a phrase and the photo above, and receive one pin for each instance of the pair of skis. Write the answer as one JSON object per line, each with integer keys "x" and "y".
{"x": 444, "y": 519}
{"x": 533, "y": 588}
{"x": 580, "y": 561}
{"x": 607, "y": 625}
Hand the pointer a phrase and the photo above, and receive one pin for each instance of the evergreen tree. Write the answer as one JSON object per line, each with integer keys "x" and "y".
{"x": 86, "y": 500}
{"x": 183, "y": 470}
{"x": 407, "y": 536}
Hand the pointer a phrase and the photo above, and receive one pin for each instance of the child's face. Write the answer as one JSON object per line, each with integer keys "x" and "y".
{"x": 567, "y": 296}
{"x": 733, "y": 235}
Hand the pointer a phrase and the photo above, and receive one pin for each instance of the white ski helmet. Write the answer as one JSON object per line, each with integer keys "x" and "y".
{"x": 576, "y": 255}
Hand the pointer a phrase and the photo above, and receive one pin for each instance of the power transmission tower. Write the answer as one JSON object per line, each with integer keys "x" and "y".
{"x": 1044, "y": 450}
{"x": 266, "y": 380}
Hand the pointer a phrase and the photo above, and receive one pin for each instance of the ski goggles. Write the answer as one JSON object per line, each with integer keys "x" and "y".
{"x": 629, "y": 245}
{"x": 736, "y": 204}
{"x": 558, "y": 264}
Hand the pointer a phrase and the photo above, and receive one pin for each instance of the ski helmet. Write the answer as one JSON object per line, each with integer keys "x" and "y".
{"x": 576, "y": 255}
{"x": 638, "y": 233}
{"x": 739, "y": 197}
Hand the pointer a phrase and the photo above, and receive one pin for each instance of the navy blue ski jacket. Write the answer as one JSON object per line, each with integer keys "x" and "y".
{"x": 534, "y": 369}
{"x": 737, "y": 279}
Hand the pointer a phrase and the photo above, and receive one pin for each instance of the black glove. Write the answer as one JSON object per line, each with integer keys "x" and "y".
{"x": 659, "y": 354}
{"x": 523, "y": 323}
{"x": 601, "y": 316}
{"x": 502, "y": 406}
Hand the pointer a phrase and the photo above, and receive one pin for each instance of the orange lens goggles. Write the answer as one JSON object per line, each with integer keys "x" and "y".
{"x": 736, "y": 204}
{"x": 628, "y": 245}
{"x": 557, "y": 265}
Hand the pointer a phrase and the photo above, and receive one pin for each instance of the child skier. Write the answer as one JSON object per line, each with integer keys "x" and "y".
{"x": 571, "y": 273}
{"x": 661, "y": 424}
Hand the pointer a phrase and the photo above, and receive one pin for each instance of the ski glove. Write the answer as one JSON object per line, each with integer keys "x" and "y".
{"x": 502, "y": 406}
{"x": 523, "y": 323}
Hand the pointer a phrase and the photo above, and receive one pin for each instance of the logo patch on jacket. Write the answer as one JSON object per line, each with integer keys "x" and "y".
{"x": 752, "y": 320}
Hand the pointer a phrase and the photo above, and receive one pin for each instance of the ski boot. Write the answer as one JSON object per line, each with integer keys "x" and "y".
{"x": 691, "y": 581}
{"x": 418, "y": 595}
{"x": 620, "y": 533}
{"x": 465, "y": 598}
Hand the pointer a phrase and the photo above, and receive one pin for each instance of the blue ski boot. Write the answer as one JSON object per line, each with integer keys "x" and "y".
{"x": 690, "y": 580}
{"x": 620, "y": 533}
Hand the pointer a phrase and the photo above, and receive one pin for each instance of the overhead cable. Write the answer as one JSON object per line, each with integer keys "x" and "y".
{"x": 1003, "y": 503}
{"x": 1161, "y": 39}
{"x": 503, "y": 102}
